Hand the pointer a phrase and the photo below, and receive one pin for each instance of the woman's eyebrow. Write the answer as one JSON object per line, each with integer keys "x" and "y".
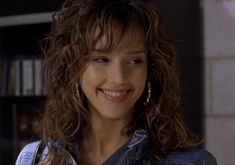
{"x": 132, "y": 52}
{"x": 137, "y": 52}
{"x": 98, "y": 51}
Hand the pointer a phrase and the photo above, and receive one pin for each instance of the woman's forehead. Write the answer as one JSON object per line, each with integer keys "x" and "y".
{"x": 119, "y": 36}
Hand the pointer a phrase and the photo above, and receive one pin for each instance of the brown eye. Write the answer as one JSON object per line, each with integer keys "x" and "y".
{"x": 135, "y": 61}
{"x": 100, "y": 60}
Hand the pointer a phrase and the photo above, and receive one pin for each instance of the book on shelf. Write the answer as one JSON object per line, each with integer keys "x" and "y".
{"x": 21, "y": 77}
{"x": 25, "y": 123}
{"x": 27, "y": 67}
{"x": 26, "y": 126}
{"x": 14, "y": 78}
{"x": 4, "y": 77}
{"x": 38, "y": 78}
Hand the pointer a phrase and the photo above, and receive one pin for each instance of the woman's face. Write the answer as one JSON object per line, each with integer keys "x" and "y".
{"x": 113, "y": 82}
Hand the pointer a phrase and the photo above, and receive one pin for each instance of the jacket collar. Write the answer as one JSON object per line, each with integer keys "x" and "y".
{"x": 138, "y": 137}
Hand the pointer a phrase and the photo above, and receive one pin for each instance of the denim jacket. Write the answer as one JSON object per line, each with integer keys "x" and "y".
{"x": 136, "y": 154}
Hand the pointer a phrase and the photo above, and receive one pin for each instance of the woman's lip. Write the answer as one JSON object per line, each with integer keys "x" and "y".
{"x": 115, "y": 95}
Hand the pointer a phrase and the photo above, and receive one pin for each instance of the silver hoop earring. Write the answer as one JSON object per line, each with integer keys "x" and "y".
{"x": 78, "y": 94}
{"x": 149, "y": 93}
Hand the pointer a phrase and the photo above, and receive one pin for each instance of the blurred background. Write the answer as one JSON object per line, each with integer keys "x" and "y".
{"x": 202, "y": 30}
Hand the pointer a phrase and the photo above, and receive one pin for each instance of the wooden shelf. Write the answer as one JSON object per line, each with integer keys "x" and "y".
{"x": 24, "y": 19}
{"x": 24, "y": 99}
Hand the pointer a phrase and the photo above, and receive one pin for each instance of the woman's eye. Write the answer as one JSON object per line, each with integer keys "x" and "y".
{"x": 135, "y": 61}
{"x": 101, "y": 60}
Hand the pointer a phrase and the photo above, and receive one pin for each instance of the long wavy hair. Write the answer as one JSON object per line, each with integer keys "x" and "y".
{"x": 76, "y": 29}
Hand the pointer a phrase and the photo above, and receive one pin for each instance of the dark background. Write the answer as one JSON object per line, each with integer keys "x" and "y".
{"x": 183, "y": 26}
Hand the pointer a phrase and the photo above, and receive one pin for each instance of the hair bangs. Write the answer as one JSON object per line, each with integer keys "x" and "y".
{"x": 111, "y": 27}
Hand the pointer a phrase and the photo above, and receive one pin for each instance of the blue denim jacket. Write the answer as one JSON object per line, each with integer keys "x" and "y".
{"x": 136, "y": 154}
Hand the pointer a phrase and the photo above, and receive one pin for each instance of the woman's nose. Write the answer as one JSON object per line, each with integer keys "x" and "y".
{"x": 117, "y": 73}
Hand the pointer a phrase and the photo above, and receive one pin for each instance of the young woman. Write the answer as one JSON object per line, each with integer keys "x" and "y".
{"x": 113, "y": 90}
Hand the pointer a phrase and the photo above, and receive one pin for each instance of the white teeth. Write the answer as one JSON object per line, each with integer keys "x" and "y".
{"x": 114, "y": 93}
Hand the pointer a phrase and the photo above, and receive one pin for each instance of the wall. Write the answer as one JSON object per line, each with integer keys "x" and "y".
{"x": 219, "y": 56}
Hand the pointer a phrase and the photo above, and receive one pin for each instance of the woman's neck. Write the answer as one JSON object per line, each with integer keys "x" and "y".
{"x": 102, "y": 139}
{"x": 106, "y": 133}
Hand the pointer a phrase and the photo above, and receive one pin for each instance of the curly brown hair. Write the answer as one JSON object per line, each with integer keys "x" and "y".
{"x": 67, "y": 51}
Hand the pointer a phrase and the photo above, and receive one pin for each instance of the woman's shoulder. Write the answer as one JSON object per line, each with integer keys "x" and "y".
{"x": 28, "y": 154}
{"x": 194, "y": 156}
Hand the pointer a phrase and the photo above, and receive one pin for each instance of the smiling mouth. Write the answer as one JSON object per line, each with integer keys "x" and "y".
{"x": 115, "y": 95}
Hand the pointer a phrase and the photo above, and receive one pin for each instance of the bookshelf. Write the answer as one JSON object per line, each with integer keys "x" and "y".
{"x": 22, "y": 88}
